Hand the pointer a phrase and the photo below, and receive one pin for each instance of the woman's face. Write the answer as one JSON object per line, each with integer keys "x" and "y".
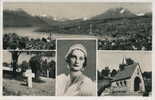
{"x": 77, "y": 60}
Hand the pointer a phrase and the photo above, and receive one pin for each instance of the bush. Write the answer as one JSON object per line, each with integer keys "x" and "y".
{"x": 24, "y": 66}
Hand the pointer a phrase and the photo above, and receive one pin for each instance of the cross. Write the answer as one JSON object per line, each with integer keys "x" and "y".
{"x": 29, "y": 76}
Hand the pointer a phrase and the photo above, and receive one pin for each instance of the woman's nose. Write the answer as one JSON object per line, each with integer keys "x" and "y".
{"x": 77, "y": 61}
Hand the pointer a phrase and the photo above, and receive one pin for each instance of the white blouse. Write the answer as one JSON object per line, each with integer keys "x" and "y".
{"x": 82, "y": 86}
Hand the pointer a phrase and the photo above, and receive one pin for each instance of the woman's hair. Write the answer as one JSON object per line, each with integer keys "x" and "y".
{"x": 76, "y": 47}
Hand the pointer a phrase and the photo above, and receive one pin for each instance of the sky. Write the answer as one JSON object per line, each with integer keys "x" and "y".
{"x": 74, "y": 10}
{"x": 22, "y": 57}
{"x": 113, "y": 59}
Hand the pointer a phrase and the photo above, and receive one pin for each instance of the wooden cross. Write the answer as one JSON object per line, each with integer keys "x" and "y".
{"x": 29, "y": 76}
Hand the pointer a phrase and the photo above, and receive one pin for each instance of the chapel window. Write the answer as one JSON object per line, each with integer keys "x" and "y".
{"x": 138, "y": 71}
{"x": 125, "y": 82}
{"x": 117, "y": 84}
{"x": 121, "y": 83}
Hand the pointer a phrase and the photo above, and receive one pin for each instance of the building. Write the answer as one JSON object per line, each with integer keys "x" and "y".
{"x": 129, "y": 80}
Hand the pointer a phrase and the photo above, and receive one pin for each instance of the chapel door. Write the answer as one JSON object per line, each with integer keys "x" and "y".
{"x": 137, "y": 83}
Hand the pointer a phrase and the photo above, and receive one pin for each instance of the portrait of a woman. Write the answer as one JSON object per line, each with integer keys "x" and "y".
{"x": 75, "y": 82}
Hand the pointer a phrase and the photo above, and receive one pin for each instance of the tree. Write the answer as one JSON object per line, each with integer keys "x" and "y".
{"x": 147, "y": 76}
{"x": 113, "y": 73}
{"x": 35, "y": 64}
{"x": 13, "y": 41}
{"x": 24, "y": 66}
{"x": 15, "y": 55}
{"x": 5, "y": 41}
{"x": 129, "y": 61}
{"x": 121, "y": 66}
{"x": 106, "y": 71}
{"x": 51, "y": 67}
{"x": 99, "y": 76}
{"x": 45, "y": 68}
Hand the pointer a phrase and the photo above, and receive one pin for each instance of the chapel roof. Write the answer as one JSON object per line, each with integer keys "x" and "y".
{"x": 126, "y": 73}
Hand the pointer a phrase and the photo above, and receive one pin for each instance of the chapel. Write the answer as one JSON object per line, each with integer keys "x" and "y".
{"x": 129, "y": 79}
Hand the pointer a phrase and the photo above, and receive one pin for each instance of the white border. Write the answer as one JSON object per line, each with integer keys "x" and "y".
{"x": 56, "y": 67}
{"x": 84, "y": 98}
{"x": 1, "y": 43}
{"x": 78, "y": 1}
{"x": 153, "y": 50}
{"x": 76, "y": 38}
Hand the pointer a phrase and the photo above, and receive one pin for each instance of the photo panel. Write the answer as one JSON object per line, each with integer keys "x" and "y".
{"x": 22, "y": 28}
{"x": 124, "y": 73}
{"x": 76, "y": 67}
{"x": 29, "y": 73}
{"x": 117, "y": 25}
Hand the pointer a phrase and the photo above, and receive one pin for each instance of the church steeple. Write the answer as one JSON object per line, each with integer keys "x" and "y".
{"x": 124, "y": 61}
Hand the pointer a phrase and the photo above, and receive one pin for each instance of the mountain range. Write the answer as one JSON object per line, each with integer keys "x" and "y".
{"x": 109, "y": 22}
{"x": 20, "y": 18}
{"x": 115, "y": 13}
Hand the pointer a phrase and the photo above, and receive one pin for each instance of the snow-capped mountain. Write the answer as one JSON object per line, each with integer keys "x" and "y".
{"x": 115, "y": 13}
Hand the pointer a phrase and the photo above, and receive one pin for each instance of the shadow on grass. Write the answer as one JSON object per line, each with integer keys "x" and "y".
{"x": 23, "y": 84}
{"x": 7, "y": 92}
{"x": 9, "y": 75}
{"x": 38, "y": 81}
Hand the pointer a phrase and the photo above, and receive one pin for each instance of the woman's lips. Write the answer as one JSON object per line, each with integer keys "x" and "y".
{"x": 76, "y": 65}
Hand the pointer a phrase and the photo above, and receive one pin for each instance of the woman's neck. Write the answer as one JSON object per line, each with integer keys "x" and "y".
{"x": 75, "y": 75}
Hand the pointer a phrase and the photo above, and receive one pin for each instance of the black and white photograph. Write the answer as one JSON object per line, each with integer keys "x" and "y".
{"x": 76, "y": 68}
{"x": 29, "y": 73}
{"x": 116, "y": 25}
{"x": 76, "y": 49}
{"x": 124, "y": 73}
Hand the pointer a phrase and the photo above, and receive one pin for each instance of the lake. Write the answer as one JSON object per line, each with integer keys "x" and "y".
{"x": 30, "y": 32}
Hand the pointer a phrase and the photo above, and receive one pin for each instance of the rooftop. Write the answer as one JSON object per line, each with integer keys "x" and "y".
{"x": 126, "y": 73}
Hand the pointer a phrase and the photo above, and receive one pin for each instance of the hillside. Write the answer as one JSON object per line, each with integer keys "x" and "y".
{"x": 114, "y": 23}
{"x": 20, "y": 18}
{"x": 111, "y": 27}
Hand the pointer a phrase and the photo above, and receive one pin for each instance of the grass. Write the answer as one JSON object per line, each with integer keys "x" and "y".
{"x": 12, "y": 87}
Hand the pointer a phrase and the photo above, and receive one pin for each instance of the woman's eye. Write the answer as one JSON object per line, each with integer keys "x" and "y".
{"x": 81, "y": 58}
{"x": 73, "y": 56}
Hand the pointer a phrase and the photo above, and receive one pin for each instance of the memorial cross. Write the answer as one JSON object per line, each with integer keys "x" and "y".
{"x": 29, "y": 76}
